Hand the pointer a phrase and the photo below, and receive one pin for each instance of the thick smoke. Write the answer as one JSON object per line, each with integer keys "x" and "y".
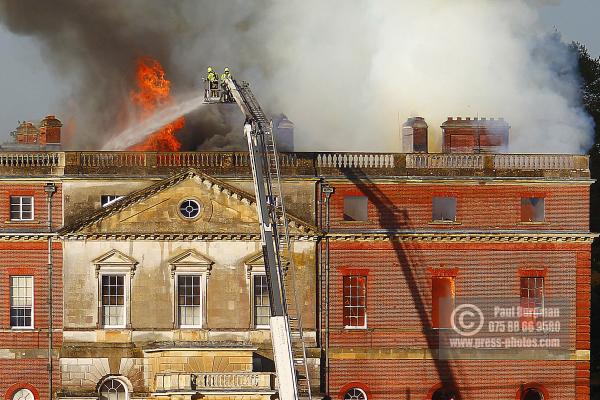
{"x": 347, "y": 73}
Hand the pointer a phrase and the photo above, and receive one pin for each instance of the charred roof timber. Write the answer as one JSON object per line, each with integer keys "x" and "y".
{"x": 477, "y": 135}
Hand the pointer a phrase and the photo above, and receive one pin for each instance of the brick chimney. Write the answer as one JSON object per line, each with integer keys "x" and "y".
{"x": 474, "y": 135}
{"x": 414, "y": 135}
{"x": 26, "y": 133}
{"x": 50, "y": 130}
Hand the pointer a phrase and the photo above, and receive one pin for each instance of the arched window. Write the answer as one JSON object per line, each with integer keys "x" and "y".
{"x": 355, "y": 394}
{"x": 444, "y": 394}
{"x": 113, "y": 389}
{"x": 23, "y": 394}
{"x": 532, "y": 394}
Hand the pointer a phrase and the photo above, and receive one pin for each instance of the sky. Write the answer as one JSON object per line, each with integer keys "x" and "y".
{"x": 29, "y": 89}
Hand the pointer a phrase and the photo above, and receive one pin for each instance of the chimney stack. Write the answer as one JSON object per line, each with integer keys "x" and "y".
{"x": 284, "y": 133}
{"x": 414, "y": 136}
{"x": 478, "y": 135}
{"x": 50, "y": 130}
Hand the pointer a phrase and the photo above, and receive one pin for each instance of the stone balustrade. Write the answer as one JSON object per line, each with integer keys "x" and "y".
{"x": 202, "y": 381}
{"x": 227, "y": 163}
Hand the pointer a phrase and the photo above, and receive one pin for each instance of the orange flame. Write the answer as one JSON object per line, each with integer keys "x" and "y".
{"x": 153, "y": 92}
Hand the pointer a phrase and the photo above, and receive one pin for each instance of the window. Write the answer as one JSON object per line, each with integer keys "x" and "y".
{"x": 532, "y": 394}
{"x": 444, "y": 394}
{"x": 189, "y": 208}
{"x": 532, "y": 296}
{"x": 113, "y": 301}
{"x": 23, "y": 394}
{"x": 532, "y": 209}
{"x": 442, "y": 305}
{"x": 444, "y": 209}
{"x": 262, "y": 310}
{"x": 113, "y": 389}
{"x": 355, "y": 301}
{"x": 21, "y": 301}
{"x": 21, "y": 208}
{"x": 355, "y": 394}
{"x": 108, "y": 199}
{"x": 356, "y": 208}
{"x": 189, "y": 300}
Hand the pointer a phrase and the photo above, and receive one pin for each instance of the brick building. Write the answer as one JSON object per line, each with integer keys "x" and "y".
{"x": 31, "y": 275}
{"x": 159, "y": 257}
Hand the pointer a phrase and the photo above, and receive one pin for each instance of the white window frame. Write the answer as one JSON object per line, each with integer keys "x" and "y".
{"x": 121, "y": 379}
{"x": 202, "y": 298}
{"x": 190, "y": 262}
{"x": 32, "y": 326}
{"x": 255, "y": 265}
{"x": 21, "y": 208}
{"x": 115, "y": 263}
{"x": 366, "y": 324}
{"x": 126, "y": 284}
{"x": 253, "y": 299}
{"x": 29, "y": 394}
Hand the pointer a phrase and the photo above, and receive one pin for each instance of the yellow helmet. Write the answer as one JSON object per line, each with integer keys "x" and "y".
{"x": 226, "y": 69}
{"x": 209, "y": 69}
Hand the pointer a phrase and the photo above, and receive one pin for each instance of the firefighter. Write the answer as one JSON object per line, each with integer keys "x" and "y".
{"x": 225, "y": 94}
{"x": 213, "y": 82}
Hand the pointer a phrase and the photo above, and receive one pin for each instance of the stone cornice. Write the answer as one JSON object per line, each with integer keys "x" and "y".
{"x": 467, "y": 237}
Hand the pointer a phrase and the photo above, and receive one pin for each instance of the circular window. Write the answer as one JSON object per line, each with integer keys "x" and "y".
{"x": 23, "y": 394}
{"x": 113, "y": 389}
{"x": 189, "y": 208}
{"x": 532, "y": 394}
{"x": 355, "y": 394}
{"x": 444, "y": 394}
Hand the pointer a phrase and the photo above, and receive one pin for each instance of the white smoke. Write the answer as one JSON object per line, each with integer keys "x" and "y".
{"x": 348, "y": 72}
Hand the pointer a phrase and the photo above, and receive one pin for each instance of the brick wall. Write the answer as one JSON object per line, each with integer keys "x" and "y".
{"x": 399, "y": 313}
{"x": 26, "y": 373}
{"x": 23, "y": 356}
{"x": 36, "y": 190}
{"x": 480, "y": 206}
{"x": 476, "y": 380}
{"x": 399, "y": 283}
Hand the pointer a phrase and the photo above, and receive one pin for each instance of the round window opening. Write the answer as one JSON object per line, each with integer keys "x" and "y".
{"x": 532, "y": 394}
{"x": 189, "y": 208}
{"x": 113, "y": 389}
{"x": 23, "y": 394}
{"x": 444, "y": 394}
{"x": 355, "y": 394}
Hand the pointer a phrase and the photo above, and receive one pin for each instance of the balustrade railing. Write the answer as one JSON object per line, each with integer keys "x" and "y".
{"x": 325, "y": 163}
{"x": 355, "y": 160}
{"x": 179, "y": 381}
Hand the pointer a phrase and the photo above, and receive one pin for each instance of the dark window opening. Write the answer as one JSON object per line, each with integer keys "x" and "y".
{"x": 444, "y": 394}
{"x": 532, "y": 209}
{"x": 356, "y": 208}
{"x": 108, "y": 199}
{"x": 444, "y": 209}
{"x": 532, "y": 394}
{"x": 442, "y": 295}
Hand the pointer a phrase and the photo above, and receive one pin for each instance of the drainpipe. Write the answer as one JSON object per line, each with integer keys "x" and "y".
{"x": 50, "y": 189}
{"x": 328, "y": 191}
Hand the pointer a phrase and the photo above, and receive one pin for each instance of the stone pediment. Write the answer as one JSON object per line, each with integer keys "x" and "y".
{"x": 115, "y": 261}
{"x": 190, "y": 203}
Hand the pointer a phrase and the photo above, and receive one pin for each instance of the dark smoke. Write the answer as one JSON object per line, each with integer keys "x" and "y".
{"x": 93, "y": 46}
{"x": 345, "y": 72}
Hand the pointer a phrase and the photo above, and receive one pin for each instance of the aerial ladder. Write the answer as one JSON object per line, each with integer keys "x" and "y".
{"x": 287, "y": 336}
